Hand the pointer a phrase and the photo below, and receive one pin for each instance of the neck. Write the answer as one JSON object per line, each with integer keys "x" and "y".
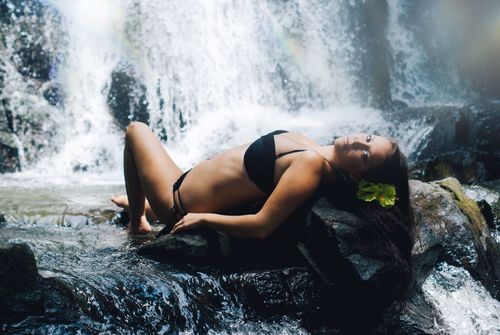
{"x": 327, "y": 152}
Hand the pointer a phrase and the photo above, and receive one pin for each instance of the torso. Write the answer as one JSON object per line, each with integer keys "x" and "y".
{"x": 222, "y": 182}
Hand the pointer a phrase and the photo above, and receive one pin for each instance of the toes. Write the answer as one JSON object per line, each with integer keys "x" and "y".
{"x": 120, "y": 201}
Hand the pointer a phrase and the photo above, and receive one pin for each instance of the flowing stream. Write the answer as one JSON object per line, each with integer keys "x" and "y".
{"x": 214, "y": 74}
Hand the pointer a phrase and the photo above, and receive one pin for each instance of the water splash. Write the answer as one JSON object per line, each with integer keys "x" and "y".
{"x": 422, "y": 71}
{"x": 465, "y": 305}
{"x": 90, "y": 139}
{"x": 243, "y": 65}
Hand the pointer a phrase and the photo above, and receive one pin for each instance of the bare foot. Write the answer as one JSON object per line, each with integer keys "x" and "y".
{"x": 122, "y": 202}
{"x": 142, "y": 228}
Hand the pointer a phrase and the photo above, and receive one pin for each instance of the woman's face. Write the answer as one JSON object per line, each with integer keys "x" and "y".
{"x": 359, "y": 153}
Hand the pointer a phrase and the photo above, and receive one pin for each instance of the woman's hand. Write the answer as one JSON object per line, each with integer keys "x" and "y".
{"x": 189, "y": 221}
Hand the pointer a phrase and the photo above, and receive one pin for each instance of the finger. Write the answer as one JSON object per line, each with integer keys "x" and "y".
{"x": 177, "y": 226}
{"x": 174, "y": 228}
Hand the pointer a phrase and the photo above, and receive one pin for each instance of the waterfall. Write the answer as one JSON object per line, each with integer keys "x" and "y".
{"x": 208, "y": 76}
{"x": 423, "y": 70}
{"x": 219, "y": 74}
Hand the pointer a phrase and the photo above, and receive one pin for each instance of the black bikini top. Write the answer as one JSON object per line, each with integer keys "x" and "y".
{"x": 288, "y": 152}
{"x": 259, "y": 161}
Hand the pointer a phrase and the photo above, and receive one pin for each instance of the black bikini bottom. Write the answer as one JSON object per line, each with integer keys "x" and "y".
{"x": 177, "y": 210}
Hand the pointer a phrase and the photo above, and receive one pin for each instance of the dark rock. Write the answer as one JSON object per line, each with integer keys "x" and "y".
{"x": 31, "y": 59}
{"x": 35, "y": 52}
{"x": 23, "y": 292}
{"x": 36, "y": 41}
{"x": 487, "y": 196}
{"x": 463, "y": 165}
{"x": 344, "y": 280}
{"x": 360, "y": 279}
{"x": 460, "y": 142}
{"x": 340, "y": 285}
{"x": 9, "y": 158}
{"x": 120, "y": 218}
{"x": 18, "y": 271}
{"x": 419, "y": 317}
{"x": 201, "y": 247}
{"x": 495, "y": 209}
{"x": 457, "y": 222}
{"x": 9, "y": 153}
{"x": 487, "y": 212}
{"x": 127, "y": 97}
{"x": 276, "y": 292}
{"x": 54, "y": 95}
{"x": 35, "y": 129}
{"x": 233, "y": 253}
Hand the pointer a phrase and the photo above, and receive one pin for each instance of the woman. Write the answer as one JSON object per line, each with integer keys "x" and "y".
{"x": 246, "y": 173}
{"x": 286, "y": 169}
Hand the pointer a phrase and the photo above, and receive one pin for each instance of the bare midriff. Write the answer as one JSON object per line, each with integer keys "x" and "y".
{"x": 220, "y": 183}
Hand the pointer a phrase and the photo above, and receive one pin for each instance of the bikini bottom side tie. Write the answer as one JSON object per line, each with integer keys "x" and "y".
{"x": 177, "y": 211}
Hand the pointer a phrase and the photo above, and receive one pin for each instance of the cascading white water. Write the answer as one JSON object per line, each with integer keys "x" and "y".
{"x": 422, "y": 70}
{"x": 233, "y": 70}
{"x": 465, "y": 306}
{"x": 87, "y": 129}
{"x": 219, "y": 73}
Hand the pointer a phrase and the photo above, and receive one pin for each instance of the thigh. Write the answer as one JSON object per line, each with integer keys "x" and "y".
{"x": 156, "y": 169}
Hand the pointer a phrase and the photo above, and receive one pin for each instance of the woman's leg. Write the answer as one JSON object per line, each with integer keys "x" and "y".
{"x": 149, "y": 173}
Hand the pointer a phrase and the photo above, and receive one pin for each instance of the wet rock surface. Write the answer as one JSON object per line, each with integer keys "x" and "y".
{"x": 447, "y": 230}
{"x": 32, "y": 46}
{"x": 458, "y": 142}
{"x": 25, "y": 295}
{"x": 127, "y": 96}
{"x": 325, "y": 283}
{"x": 462, "y": 229}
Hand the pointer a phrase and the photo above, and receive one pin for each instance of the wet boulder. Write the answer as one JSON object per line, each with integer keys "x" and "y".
{"x": 23, "y": 292}
{"x": 127, "y": 96}
{"x": 276, "y": 291}
{"x": 329, "y": 248}
{"x": 330, "y": 275}
{"x": 454, "y": 142}
{"x": 33, "y": 43}
{"x": 18, "y": 270}
{"x": 322, "y": 271}
{"x": 456, "y": 221}
{"x": 201, "y": 247}
{"x": 419, "y": 317}
{"x": 33, "y": 31}
{"x": 9, "y": 153}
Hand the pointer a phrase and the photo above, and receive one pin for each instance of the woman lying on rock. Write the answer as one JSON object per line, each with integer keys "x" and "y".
{"x": 366, "y": 174}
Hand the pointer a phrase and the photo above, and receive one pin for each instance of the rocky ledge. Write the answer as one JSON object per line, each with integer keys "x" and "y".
{"x": 321, "y": 273}
{"x": 309, "y": 270}
{"x": 25, "y": 294}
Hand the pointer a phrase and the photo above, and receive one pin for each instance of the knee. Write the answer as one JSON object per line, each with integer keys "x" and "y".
{"x": 134, "y": 129}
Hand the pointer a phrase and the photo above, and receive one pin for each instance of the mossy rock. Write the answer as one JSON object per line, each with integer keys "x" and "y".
{"x": 468, "y": 206}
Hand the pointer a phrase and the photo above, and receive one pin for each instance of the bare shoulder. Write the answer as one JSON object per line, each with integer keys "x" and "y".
{"x": 309, "y": 163}
{"x": 301, "y": 138}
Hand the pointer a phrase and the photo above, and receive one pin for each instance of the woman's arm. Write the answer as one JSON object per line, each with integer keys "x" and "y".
{"x": 297, "y": 184}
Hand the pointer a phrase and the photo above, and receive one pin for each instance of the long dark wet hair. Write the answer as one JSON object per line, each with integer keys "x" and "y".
{"x": 386, "y": 233}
